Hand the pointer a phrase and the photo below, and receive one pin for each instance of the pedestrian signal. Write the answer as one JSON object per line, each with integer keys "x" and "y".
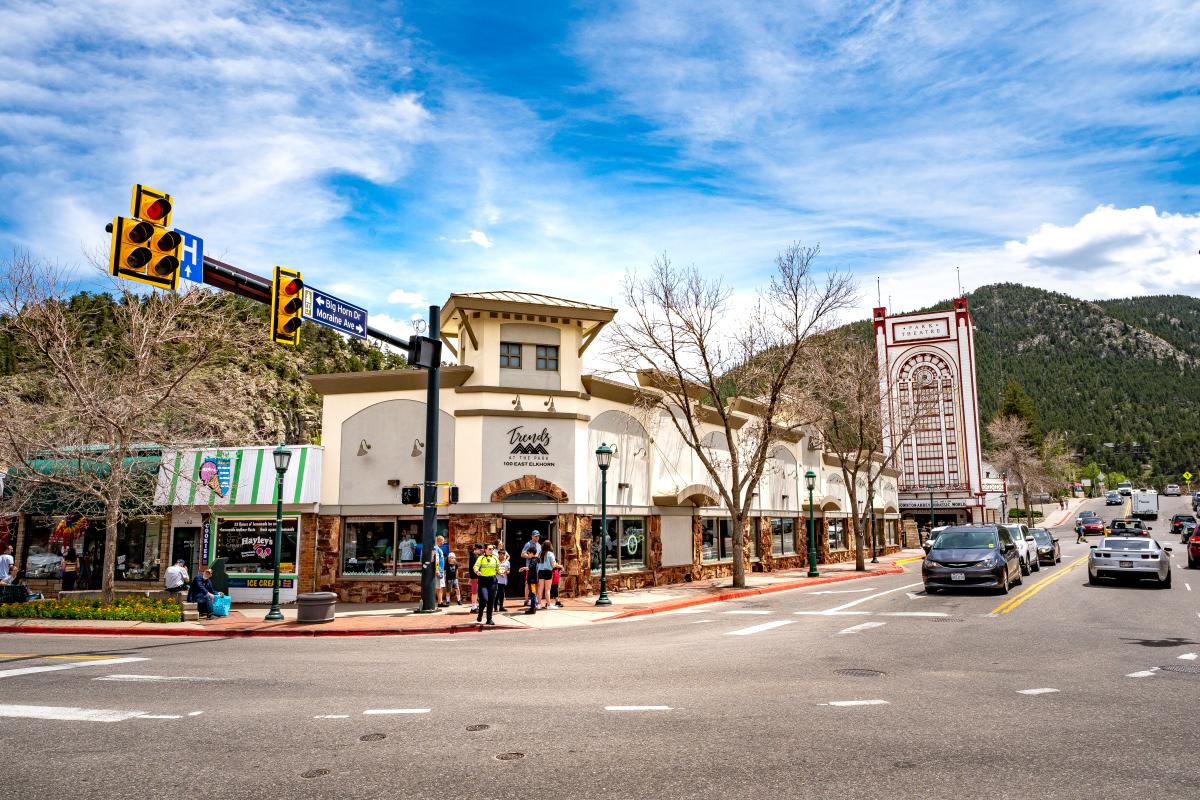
{"x": 286, "y": 303}
{"x": 410, "y": 495}
{"x": 144, "y": 252}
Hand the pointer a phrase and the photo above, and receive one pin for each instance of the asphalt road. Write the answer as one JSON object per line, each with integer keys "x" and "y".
{"x": 1060, "y": 690}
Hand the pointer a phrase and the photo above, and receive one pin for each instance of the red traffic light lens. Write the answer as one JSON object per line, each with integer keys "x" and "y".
{"x": 292, "y": 287}
{"x": 158, "y": 209}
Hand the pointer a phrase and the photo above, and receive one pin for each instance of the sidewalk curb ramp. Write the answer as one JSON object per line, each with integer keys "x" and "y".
{"x": 735, "y": 594}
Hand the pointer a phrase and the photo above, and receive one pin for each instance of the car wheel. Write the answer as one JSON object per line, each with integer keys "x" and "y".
{"x": 1092, "y": 579}
{"x": 1037, "y": 564}
{"x": 1024, "y": 568}
{"x": 1019, "y": 579}
{"x": 1192, "y": 564}
{"x": 1165, "y": 584}
{"x": 1004, "y": 583}
{"x": 931, "y": 590}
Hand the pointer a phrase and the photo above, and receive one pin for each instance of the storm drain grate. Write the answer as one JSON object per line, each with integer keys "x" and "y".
{"x": 314, "y": 773}
{"x": 1184, "y": 669}
{"x": 510, "y": 756}
{"x": 859, "y": 673}
{"x": 477, "y": 727}
{"x": 372, "y": 737}
{"x": 947, "y": 619}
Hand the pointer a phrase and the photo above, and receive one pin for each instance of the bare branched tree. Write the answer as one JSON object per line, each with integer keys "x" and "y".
{"x": 851, "y": 393}
{"x": 1012, "y": 454}
{"x": 719, "y": 375}
{"x": 90, "y": 400}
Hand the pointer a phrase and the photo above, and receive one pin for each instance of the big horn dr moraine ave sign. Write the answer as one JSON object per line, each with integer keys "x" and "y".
{"x": 333, "y": 312}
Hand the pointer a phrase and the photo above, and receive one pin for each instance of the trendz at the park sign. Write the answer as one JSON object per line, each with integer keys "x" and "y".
{"x": 528, "y": 449}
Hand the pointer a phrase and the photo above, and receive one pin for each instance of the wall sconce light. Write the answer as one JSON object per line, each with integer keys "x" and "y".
{"x": 363, "y": 447}
{"x": 621, "y": 486}
{"x": 549, "y": 404}
{"x": 640, "y": 453}
{"x": 516, "y": 403}
{"x": 785, "y": 498}
{"x": 393, "y": 481}
{"x": 418, "y": 448}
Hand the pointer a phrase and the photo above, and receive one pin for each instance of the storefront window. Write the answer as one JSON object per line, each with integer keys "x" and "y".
{"x": 137, "y": 549}
{"x": 41, "y": 559}
{"x": 837, "y": 535}
{"x": 889, "y": 527}
{"x": 783, "y": 536}
{"x": 247, "y": 544}
{"x": 383, "y": 546}
{"x": 625, "y": 544}
{"x": 716, "y": 539}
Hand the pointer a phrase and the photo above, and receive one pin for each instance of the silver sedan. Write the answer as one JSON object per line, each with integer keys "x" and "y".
{"x": 1133, "y": 557}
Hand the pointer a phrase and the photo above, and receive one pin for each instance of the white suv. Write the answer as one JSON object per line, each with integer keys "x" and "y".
{"x": 1172, "y": 490}
{"x": 1026, "y": 547}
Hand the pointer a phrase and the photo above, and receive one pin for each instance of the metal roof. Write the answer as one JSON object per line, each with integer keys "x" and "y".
{"x": 532, "y": 298}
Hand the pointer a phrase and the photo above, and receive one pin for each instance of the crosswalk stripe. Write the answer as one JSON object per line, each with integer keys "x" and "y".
{"x": 13, "y": 673}
{"x": 864, "y": 626}
{"x": 766, "y": 626}
{"x": 68, "y": 713}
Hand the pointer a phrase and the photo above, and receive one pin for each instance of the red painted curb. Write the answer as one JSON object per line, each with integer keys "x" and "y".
{"x": 734, "y": 595}
{"x": 243, "y": 633}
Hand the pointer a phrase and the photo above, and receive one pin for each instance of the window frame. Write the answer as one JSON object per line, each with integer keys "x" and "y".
{"x": 781, "y": 536}
{"x": 620, "y": 522}
{"x": 401, "y": 525}
{"x": 840, "y": 524}
{"x": 507, "y": 356}
{"x": 722, "y": 530}
{"x": 542, "y": 357}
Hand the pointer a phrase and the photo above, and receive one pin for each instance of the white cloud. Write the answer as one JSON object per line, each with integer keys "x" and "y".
{"x": 480, "y": 238}
{"x": 406, "y": 298}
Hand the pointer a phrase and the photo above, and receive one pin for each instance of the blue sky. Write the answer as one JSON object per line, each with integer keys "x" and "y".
{"x": 396, "y": 152}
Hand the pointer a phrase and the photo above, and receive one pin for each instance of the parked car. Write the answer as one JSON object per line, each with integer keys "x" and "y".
{"x": 1131, "y": 557}
{"x": 982, "y": 556}
{"x": 1127, "y": 527}
{"x": 1048, "y": 550}
{"x": 1178, "y": 520}
{"x": 1026, "y": 547}
{"x": 1112, "y": 498}
{"x": 1172, "y": 490}
{"x": 1125, "y": 488}
{"x": 1193, "y": 550}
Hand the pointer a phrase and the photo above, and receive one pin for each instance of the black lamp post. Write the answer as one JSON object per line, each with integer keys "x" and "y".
{"x": 810, "y": 481}
{"x": 874, "y": 536}
{"x": 930, "y": 486}
{"x": 604, "y": 455}
{"x": 282, "y": 457}
{"x": 1004, "y": 499}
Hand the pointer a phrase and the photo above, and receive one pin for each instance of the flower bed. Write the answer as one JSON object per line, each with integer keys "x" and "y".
{"x": 141, "y": 609}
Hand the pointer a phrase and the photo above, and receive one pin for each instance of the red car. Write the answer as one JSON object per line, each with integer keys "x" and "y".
{"x": 1194, "y": 550}
{"x": 1092, "y": 526}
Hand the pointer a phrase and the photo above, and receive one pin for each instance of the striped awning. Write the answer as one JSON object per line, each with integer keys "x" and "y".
{"x": 237, "y": 476}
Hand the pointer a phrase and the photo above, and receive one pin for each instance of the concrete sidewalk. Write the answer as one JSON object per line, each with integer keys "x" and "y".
{"x": 396, "y": 619}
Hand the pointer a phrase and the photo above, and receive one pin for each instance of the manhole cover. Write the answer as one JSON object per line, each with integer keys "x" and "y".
{"x": 477, "y": 727}
{"x": 859, "y": 673}
{"x": 372, "y": 737}
{"x": 1185, "y": 669}
{"x": 314, "y": 773}
{"x": 510, "y": 756}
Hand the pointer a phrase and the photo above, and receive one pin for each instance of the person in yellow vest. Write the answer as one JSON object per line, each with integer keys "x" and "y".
{"x": 486, "y": 567}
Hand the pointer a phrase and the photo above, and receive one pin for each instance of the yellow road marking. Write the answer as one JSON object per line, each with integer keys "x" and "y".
{"x": 910, "y": 560}
{"x": 1011, "y": 603}
{"x": 70, "y": 658}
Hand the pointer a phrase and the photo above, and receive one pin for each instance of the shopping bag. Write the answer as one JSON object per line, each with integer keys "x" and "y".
{"x": 220, "y": 605}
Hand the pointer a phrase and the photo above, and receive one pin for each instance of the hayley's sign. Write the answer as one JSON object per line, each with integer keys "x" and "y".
{"x": 527, "y": 448}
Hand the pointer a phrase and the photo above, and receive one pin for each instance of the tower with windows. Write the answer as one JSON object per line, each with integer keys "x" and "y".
{"x": 931, "y": 412}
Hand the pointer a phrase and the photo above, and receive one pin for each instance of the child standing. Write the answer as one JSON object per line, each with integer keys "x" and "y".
{"x": 502, "y": 579}
{"x": 452, "y": 579}
{"x": 554, "y": 584}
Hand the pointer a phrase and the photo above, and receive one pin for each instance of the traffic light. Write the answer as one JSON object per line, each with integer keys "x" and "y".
{"x": 144, "y": 252}
{"x": 143, "y": 249}
{"x": 287, "y": 301}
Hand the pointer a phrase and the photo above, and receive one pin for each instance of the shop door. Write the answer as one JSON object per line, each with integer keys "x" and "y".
{"x": 185, "y": 544}
{"x": 516, "y": 534}
{"x": 93, "y": 555}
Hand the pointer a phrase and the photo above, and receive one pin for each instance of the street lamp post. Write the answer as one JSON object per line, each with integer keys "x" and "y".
{"x": 282, "y": 457}
{"x": 810, "y": 480}
{"x": 930, "y": 486}
{"x": 1004, "y": 499}
{"x": 874, "y": 536}
{"x": 603, "y": 459}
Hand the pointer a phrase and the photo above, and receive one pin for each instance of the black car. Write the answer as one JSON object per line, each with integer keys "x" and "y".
{"x": 974, "y": 556}
{"x": 1048, "y": 551}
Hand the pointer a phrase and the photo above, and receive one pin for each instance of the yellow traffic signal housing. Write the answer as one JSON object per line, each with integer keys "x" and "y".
{"x": 286, "y": 304}
{"x": 151, "y": 205}
{"x": 145, "y": 253}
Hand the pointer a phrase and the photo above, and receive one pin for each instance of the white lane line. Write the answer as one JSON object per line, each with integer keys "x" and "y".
{"x": 397, "y": 711}
{"x": 137, "y": 678}
{"x": 842, "y": 703}
{"x": 747, "y": 611}
{"x": 841, "y": 591}
{"x": 1037, "y": 691}
{"x": 1145, "y": 673}
{"x": 103, "y": 662}
{"x": 834, "y": 613}
{"x": 195, "y": 713}
{"x": 637, "y": 708}
{"x": 1187, "y": 586}
{"x": 68, "y": 713}
{"x": 915, "y": 614}
{"x": 160, "y": 716}
{"x": 766, "y": 626}
{"x": 700, "y": 621}
{"x": 1188, "y": 656}
{"x": 864, "y": 626}
{"x": 869, "y": 597}
{"x": 332, "y": 716}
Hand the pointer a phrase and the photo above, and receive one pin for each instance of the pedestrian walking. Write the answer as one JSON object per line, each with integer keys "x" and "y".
{"x": 486, "y": 567}
{"x": 202, "y": 593}
{"x": 502, "y": 579}
{"x": 177, "y": 578}
{"x": 452, "y": 589}
{"x": 6, "y": 565}
{"x": 1079, "y": 537}
{"x": 530, "y": 553}
{"x": 545, "y": 575}
{"x": 70, "y": 569}
{"x": 476, "y": 552}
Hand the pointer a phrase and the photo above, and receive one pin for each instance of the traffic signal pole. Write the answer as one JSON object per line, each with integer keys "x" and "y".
{"x": 429, "y": 491}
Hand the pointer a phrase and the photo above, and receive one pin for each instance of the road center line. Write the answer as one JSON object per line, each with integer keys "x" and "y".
{"x": 13, "y": 673}
{"x": 68, "y": 713}
{"x": 1011, "y": 603}
{"x": 766, "y": 626}
{"x": 862, "y": 626}
{"x": 397, "y": 711}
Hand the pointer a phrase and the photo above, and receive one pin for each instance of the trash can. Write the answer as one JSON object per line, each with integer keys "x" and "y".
{"x": 315, "y": 606}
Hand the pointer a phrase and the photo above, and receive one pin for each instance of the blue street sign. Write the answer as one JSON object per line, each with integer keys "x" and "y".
{"x": 191, "y": 263}
{"x": 332, "y": 312}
